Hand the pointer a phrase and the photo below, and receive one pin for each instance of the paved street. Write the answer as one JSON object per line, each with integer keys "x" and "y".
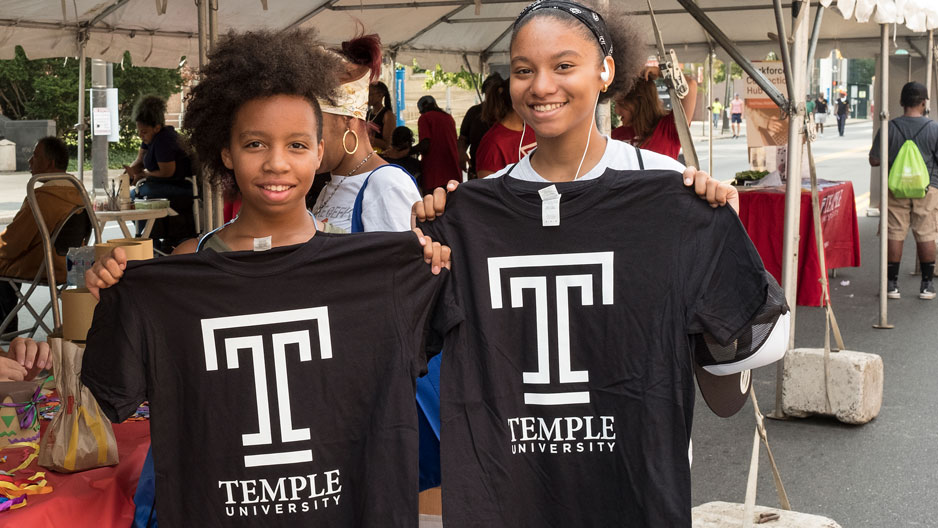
{"x": 877, "y": 475}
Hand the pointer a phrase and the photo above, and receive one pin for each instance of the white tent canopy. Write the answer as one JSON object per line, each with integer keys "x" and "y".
{"x": 160, "y": 32}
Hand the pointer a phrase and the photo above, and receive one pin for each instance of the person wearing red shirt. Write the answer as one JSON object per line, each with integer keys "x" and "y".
{"x": 439, "y": 155}
{"x": 508, "y": 140}
{"x": 645, "y": 122}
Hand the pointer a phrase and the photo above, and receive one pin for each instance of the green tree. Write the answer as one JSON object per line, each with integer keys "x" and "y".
{"x": 861, "y": 71}
{"x": 719, "y": 71}
{"x": 133, "y": 82}
{"x": 48, "y": 89}
{"x": 40, "y": 89}
{"x": 461, "y": 79}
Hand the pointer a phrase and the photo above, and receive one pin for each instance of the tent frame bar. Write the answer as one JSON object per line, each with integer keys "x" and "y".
{"x": 728, "y": 45}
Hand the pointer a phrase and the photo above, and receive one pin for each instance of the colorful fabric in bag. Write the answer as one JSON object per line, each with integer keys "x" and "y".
{"x": 19, "y": 414}
{"x": 80, "y": 436}
{"x": 908, "y": 175}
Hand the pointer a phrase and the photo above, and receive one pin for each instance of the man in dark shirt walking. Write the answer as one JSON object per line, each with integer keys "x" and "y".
{"x": 917, "y": 213}
{"x": 843, "y": 106}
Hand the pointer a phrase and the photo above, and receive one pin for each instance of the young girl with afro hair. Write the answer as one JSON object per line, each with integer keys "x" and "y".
{"x": 256, "y": 123}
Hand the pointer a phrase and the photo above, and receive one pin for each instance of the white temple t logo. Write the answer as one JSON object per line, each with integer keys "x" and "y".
{"x": 255, "y": 344}
{"x": 564, "y": 283}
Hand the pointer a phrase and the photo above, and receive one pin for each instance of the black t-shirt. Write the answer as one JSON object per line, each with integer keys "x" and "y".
{"x": 165, "y": 147}
{"x": 568, "y": 391}
{"x": 842, "y": 106}
{"x": 473, "y": 128}
{"x": 281, "y": 382}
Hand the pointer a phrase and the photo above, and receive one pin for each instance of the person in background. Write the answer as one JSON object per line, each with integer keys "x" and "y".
{"x": 717, "y": 109}
{"x": 473, "y": 127}
{"x": 162, "y": 163}
{"x": 21, "y": 251}
{"x": 437, "y": 146}
{"x": 820, "y": 113}
{"x": 736, "y": 114}
{"x": 509, "y": 139}
{"x": 24, "y": 360}
{"x": 843, "y": 108}
{"x": 387, "y": 191}
{"x": 645, "y": 122}
{"x": 921, "y": 214}
{"x": 380, "y": 115}
{"x": 400, "y": 151}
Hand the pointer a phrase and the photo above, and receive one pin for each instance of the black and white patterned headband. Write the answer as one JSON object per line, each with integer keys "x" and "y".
{"x": 587, "y": 16}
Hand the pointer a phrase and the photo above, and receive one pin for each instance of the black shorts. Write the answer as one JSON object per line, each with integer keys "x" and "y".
{"x": 737, "y": 118}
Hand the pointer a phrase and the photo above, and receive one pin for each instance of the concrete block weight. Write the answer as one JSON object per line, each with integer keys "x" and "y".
{"x": 856, "y": 385}
{"x": 727, "y": 514}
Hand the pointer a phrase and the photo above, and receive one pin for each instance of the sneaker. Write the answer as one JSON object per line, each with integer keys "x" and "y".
{"x": 892, "y": 289}
{"x": 927, "y": 291}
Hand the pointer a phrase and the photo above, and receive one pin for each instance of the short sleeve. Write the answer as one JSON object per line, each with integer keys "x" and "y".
{"x": 424, "y": 301}
{"x": 423, "y": 127}
{"x": 725, "y": 280}
{"x": 388, "y": 201}
{"x": 489, "y": 157}
{"x": 114, "y": 363}
{"x": 669, "y": 129}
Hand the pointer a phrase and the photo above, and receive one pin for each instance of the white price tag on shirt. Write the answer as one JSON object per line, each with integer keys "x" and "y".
{"x": 262, "y": 244}
{"x": 550, "y": 206}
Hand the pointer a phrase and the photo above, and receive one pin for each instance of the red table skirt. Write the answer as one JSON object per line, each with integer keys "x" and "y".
{"x": 97, "y": 498}
{"x": 763, "y": 214}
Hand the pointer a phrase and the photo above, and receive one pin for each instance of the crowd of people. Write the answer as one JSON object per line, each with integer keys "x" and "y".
{"x": 551, "y": 194}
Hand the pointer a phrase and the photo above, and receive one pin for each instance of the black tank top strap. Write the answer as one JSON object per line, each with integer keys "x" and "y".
{"x": 638, "y": 154}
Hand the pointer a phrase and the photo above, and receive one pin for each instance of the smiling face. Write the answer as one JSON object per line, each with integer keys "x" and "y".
{"x": 555, "y": 79}
{"x": 274, "y": 152}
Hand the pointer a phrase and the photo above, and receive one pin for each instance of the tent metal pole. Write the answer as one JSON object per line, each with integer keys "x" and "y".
{"x": 206, "y": 192}
{"x": 783, "y": 47}
{"x": 218, "y": 200}
{"x": 812, "y": 45}
{"x": 711, "y": 125}
{"x": 797, "y": 88}
{"x": 80, "y": 126}
{"x": 930, "y": 62}
{"x": 883, "y": 175}
{"x": 710, "y": 27}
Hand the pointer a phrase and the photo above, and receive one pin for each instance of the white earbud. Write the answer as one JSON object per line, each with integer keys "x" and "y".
{"x": 604, "y": 75}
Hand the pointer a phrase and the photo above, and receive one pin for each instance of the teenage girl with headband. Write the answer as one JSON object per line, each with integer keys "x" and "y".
{"x": 679, "y": 277}
{"x": 365, "y": 193}
{"x": 556, "y": 96}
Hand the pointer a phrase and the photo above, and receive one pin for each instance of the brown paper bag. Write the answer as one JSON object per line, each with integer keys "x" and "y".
{"x": 79, "y": 437}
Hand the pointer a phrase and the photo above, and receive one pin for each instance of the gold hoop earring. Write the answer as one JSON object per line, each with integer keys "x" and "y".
{"x": 354, "y": 134}
{"x": 605, "y": 87}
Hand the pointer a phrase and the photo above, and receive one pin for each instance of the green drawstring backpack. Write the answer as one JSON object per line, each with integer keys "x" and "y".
{"x": 908, "y": 176}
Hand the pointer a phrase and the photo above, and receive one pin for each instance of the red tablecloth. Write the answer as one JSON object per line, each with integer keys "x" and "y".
{"x": 763, "y": 214}
{"x": 97, "y": 498}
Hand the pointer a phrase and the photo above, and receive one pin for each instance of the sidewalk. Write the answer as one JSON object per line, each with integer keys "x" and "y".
{"x": 700, "y": 133}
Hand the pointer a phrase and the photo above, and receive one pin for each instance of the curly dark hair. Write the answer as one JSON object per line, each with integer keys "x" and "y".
{"x": 629, "y": 51}
{"x": 252, "y": 65}
{"x": 150, "y": 110}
